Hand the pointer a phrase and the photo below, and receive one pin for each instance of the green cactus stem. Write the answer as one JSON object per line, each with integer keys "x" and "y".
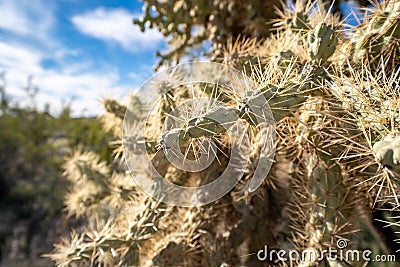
{"x": 328, "y": 205}
{"x": 212, "y": 123}
{"x": 322, "y": 41}
{"x": 254, "y": 109}
{"x": 280, "y": 100}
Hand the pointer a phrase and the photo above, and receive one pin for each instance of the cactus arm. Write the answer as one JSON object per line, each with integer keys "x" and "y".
{"x": 254, "y": 109}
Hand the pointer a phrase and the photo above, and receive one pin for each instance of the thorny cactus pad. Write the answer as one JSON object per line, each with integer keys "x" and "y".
{"x": 322, "y": 41}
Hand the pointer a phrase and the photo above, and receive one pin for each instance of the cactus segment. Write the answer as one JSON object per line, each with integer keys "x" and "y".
{"x": 213, "y": 123}
{"x": 280, "y": 101}
{"x": 322, "y": 41}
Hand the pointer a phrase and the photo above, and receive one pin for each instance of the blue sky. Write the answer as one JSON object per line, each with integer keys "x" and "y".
{"x": 76, "y": 51}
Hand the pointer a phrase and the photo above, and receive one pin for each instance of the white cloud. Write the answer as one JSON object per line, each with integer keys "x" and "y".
{"x": 14, "y": 56}
{"x": 28, "y": 39}
{"x": 115, "y": 25}
{"x": 85, "y": 87}
{"x": 32, "y": 19}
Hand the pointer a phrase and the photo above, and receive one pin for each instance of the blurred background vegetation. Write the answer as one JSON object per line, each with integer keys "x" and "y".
{"x": 33, "y": 145}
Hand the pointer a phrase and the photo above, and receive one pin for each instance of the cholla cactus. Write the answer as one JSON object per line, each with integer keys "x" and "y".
{"x": 337, "y": 154}
{"x": 378, "y": 38}
{"x": 190, "y": 23}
